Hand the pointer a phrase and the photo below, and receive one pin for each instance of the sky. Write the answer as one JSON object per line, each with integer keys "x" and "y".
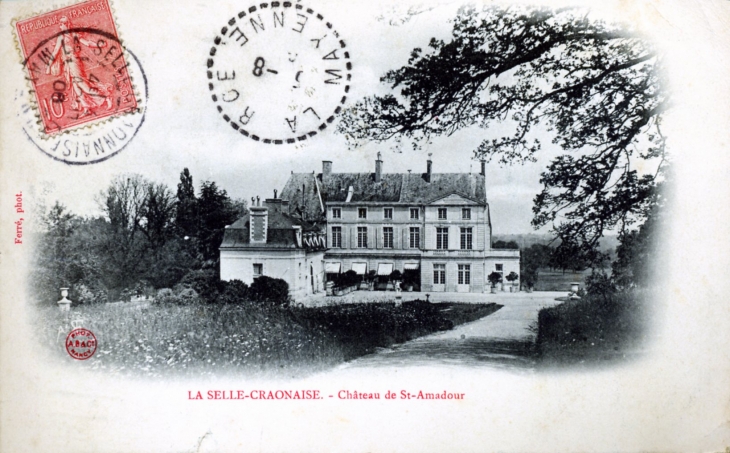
{"x": 182, "y": 128}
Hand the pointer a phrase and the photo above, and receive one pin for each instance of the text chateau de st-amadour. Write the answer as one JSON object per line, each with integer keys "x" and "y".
{"x": 436, "y": 224}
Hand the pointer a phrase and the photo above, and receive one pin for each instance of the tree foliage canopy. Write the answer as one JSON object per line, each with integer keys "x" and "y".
{"x": 142, "y": 240}
{"x": 594, "y": 87}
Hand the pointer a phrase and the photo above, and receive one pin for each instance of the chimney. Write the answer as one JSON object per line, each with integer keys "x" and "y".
{"x": 274, "y": 194}
{"x": 484, "y": 167}
{"x": 429, "y": 164}
{"x": 378, "y": 168}
{"x": 326, "y": 169}
{"x": 259, "y": 223}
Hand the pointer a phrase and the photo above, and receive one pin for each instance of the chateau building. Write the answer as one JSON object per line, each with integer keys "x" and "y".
{"x": 271, "y": 240}
{"x": 435, "y": 224}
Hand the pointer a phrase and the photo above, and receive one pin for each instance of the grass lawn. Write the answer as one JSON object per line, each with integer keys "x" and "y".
{"x": 595, "y": 329}
{"x": 550, "y": 280}
{"x": 201, "y": 339}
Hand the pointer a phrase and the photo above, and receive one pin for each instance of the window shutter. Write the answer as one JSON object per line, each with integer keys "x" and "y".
{"x": 353, "y": 237}
{"x": 378, "y": 237}
{"x": 371, "y": 237}
{"x": 396, "y": 238}
{"x": 406, "y": 238}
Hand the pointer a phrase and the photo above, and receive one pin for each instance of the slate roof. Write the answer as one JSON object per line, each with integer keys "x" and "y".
{"x": 396, "y": 188}
{"x": 280, "y": 232}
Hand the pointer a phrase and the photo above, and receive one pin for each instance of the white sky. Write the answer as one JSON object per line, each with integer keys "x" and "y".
{"x": 183, "y": 129}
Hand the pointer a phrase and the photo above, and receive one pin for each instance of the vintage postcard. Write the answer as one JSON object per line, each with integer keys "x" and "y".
{"x": 364, "y": 226}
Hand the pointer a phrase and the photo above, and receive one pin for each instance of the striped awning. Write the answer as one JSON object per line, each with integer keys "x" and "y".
{"x": 410, "y": 266}
{"x": 360, "y": 268}
{"x": 385, "y": 268}
{"x": 332, "y": 268}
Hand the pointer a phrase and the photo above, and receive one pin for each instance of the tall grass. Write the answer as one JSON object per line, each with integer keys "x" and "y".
{"x": 596, "y": 328}
{"x": 198, "y": 339}
{"x": 211, "y": 339}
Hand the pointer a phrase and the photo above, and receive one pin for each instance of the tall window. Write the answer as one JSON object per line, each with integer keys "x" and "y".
{"x": 337, "y": 237}
{"x": 442, "y": 238}
{"x": 388, "y": 237}
{"x": 336, "y": 213}
{"x": 466, "y": 238}
{"x": 439, "y": 274}
{"x": 258, "y": 270}
{"x": 466, "y": 213}
{"x": 415, "y": 237}
{"x": 464, "y": 274}
{"x": 499, "y": 268}
{"x": 362, "y": 213}
{"x": 442, "y": 213}
{"x": 414, "y": 213}
{"x": 387, "y": 213}
{"x": 362, "y": 237}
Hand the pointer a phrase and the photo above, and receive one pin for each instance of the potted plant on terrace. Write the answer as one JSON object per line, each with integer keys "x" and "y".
{"x": 395, "y": 277}
{"x": 371, "y": 277}
{"x": 512, "y": 277}
{"x": 529, "y": 279}
{"x": 351, "y": 279}
{"x": 409, "y": 279}
{"x": 494, "y": 278}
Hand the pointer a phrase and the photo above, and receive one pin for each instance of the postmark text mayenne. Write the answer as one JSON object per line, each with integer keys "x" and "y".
{"x": 279, "y": 72}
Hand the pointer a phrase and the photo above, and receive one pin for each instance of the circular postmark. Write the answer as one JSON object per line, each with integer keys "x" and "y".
{"x": 81, "y": 344}
{"x": 82, "y": 106}
{"x": 279, "y": 72}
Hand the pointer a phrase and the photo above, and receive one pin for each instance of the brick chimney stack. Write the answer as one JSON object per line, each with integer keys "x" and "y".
{"x": 484, "y": 167}
{"x": 378, "y": 168}
{"x": 259, "y": 224}
{"x": 326, "y": 169}
{"x": 429, "y": 165}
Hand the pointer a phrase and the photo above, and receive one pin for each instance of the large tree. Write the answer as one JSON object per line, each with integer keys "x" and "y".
{"x": 186, "y": 215}
{"x": 593, "y": 88}
{"x": 215, "y": 210}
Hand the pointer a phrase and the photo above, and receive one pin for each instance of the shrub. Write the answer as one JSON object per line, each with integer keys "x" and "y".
{"x": 396, "y": 275}
{"x": 599, "y": 284}
{"x": 529, "y": 279}
{"x": 351, "y": 278}
{"x": 88, "y": 294}
{"x": 188, "y": 296}
{"x": 165, "y": 296}
{"x": 205, "y": 282}
{"x": 494, "y": 278}
{"x": 267, "y": 289}
{"x": 512, "y": 276}
{"x": 234, "y": 292}
{"x": 185, "y": 296}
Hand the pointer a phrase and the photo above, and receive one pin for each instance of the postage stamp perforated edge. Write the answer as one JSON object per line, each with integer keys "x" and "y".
{"x": 92, "y": 124}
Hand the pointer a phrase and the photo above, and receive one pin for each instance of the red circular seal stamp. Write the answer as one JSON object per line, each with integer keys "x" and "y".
{"x": 81, "y": 344}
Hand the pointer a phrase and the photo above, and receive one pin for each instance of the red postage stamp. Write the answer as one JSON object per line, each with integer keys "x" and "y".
{"x": 81, "y": 344}
{"x": 76, "y": 65}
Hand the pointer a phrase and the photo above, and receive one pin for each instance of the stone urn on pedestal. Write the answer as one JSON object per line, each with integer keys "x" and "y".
{"x": 574, "y": 287}
{"x": 64, "y": 304}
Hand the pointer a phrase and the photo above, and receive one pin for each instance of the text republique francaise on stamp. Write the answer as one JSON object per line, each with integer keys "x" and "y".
{"x": 83, "y": 106}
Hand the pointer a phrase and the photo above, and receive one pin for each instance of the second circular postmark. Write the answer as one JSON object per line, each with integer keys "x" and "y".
{"x": 279, "y": 72}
